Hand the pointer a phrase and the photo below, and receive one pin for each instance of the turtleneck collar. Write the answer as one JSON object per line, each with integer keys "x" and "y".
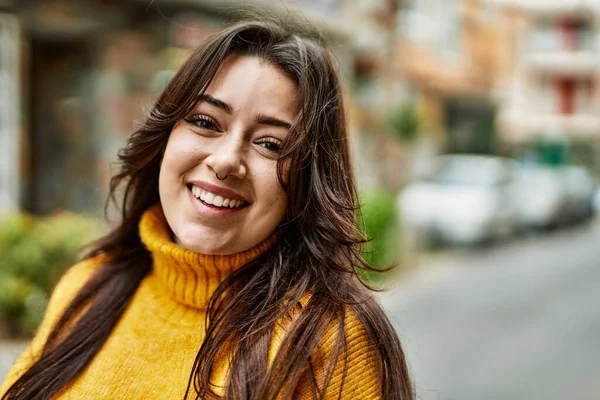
{"x": 190, "y": 278}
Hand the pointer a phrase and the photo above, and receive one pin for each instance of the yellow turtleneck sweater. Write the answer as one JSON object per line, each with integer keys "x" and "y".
{"x": 150, "y": 353}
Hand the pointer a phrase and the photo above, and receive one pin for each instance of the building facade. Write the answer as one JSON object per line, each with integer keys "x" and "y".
{"x": 554, "y": 96}
{"x": 77, "y": 76}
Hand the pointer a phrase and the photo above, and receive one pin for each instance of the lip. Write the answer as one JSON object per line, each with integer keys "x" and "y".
{"x": 218, "y": 190}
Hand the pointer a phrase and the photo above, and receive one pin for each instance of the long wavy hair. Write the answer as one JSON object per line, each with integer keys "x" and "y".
{"x": 318, "y": 251}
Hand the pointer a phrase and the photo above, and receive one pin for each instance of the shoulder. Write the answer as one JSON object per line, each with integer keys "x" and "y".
{"x": 358, "y": 346}
{"x": 71, "y": 282}
{"x": 64, "y": 291}
{"x": 351, "y": 326}
{"x": 78, "y": 274}
{"x": 349, "y": 356}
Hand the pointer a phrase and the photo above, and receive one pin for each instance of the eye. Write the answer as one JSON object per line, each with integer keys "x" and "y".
{"x": 271, "y": 144}
{"x": 203, "y": 122}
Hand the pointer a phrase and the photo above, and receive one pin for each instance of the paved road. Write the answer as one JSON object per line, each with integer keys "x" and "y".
{"x": 517, "y": 321}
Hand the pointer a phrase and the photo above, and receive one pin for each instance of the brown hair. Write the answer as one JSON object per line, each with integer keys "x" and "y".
{"x": 318, "y": 251}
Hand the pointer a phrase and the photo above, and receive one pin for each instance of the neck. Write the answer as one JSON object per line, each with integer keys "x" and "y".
{"x": 189, "y": 277}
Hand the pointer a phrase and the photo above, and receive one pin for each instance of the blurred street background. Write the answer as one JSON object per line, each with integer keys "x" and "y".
{"x": 518, "y": 321}
{"x": 475, "y": 126}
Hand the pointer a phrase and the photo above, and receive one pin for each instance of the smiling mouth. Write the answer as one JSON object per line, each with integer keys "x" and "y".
{"x": 213, "y": 200}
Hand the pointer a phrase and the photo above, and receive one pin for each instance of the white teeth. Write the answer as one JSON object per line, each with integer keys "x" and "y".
{"x": 215, "y": 200}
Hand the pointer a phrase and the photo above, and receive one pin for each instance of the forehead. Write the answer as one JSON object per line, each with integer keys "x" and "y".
{"x": 250, "y": 82}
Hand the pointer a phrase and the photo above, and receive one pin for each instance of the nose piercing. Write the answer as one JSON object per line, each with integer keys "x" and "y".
{"x": 219, "y": 178}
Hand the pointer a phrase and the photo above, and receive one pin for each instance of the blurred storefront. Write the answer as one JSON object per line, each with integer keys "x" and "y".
{"x": 75, "y": 76}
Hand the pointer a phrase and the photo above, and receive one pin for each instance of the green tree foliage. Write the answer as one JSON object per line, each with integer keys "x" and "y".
{"x": 380, "y": 224}
{"x": 405, "y": 122}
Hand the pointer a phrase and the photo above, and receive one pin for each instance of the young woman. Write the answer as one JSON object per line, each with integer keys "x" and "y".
{"x": 233, "y": 273}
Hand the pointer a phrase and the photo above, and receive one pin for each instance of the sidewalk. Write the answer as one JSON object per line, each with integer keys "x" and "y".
{"x": 9, "y": 352}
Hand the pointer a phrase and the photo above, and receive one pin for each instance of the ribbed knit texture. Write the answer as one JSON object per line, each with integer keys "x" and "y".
{"x": 150, "y": 352}
{"x": 189, "y": 277}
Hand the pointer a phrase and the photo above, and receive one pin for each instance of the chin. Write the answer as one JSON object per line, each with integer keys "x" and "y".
{"x": 200, "y": 246}
{"x": 199, "y": 243}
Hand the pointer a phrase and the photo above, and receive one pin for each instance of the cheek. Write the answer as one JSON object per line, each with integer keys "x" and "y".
{"x": 286, "y": 171}
{"x": 277, "y": 201}
{"x": 177, "y": 160}
{"x": 179, "y": 156}
{"x": 272, "y": 197}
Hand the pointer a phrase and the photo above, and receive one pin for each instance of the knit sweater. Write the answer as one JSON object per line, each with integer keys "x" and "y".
{"x": 151, "y": 350}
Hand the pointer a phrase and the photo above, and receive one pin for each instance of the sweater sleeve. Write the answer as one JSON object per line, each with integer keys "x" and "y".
{"x": 361, "y": 380}
{"x": 63, "y": 293}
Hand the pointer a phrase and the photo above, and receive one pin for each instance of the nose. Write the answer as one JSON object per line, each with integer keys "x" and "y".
{"x": 227, "y": 159}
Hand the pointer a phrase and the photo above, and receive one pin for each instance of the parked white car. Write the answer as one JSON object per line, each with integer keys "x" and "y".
{"x": 463, "y": 199}
{"x": 596, "y": 201}
{"x": 579, "y": 186}
{"x": 551, "y": 195}
{"x": 540, "y": 196}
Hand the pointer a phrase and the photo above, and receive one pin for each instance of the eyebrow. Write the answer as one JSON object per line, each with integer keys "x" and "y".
{"x": 261, "y": 119}
{"x": 216, "y": 102}
{"x": 271, "y": 121}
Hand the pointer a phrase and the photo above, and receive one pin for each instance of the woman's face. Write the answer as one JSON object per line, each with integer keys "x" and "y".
{"x": 218, "y": 181}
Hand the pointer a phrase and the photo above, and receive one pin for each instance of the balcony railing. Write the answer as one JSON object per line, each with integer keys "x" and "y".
{"x": 550, "y": 40}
